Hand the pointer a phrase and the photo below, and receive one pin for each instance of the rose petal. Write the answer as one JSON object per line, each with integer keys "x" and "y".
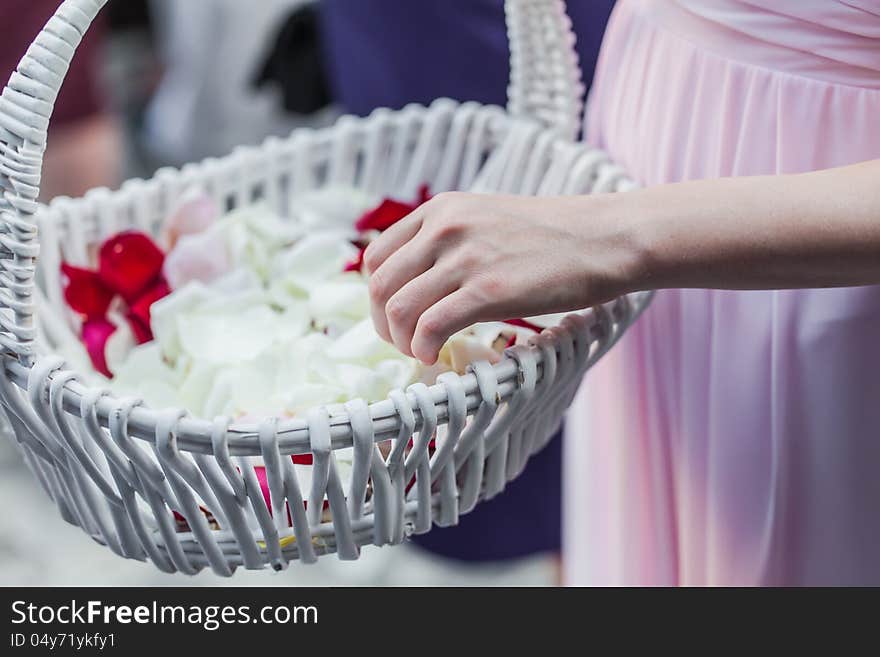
{"x": 254, "y": 235}
{"x": 547, "y": 321}
{"x": 129, "y": 263}
{"x": 95, "y": 334}
{"x": 361, "y": 344}
{"x": 424, "y": 194}
{"x": 119, "y": 344}
{"x": 195, "y": 212}
{"x": 146, "y": 375}
{"x": 340, "y": 302}
{"x": 220, "y": 338}
{"x": 333, "y": 206}
{"x": 139, "y": 311}
{"x": 85, "y": 292}
{"x": 312, "y": 260}
{"x": 464, "y": 350}
{"x": 389, "y": 212}
{"x": 521, "y": 323}
{"x": 196, "y": 386}
{"x": 263, "y": 480}
{"x": 164, "y": 314}
{"x": 201, "y": 257}
{"x": 302, "y": 397}
{"x": 356, "y": 263}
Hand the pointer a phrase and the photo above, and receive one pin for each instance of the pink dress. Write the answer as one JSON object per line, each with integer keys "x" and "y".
{"x": 734, "y": 437}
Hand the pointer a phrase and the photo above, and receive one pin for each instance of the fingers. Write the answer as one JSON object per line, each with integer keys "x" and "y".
{"x": 407, "y": 305}
{"x": 407, "y": 263}
{"x": 391, "y": 240}
{"x": 451, "y": 314}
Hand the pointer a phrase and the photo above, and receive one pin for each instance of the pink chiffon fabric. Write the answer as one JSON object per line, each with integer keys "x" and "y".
{"x": 733, "y": 438}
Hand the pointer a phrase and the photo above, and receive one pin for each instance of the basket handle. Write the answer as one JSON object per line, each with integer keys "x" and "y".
{"x": 545, "y": 84}
{"x": 546, "y": 81}
{"x": 25, "y": 109}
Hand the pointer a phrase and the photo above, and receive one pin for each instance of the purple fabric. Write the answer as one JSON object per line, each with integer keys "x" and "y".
{"x": 387, "y": 53}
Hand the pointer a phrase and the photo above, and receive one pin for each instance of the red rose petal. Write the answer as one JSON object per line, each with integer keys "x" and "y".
{"x": 260, "y": 472}
{"x": 424, "y": 194}
{"x": 521, "y": 323}
{"x": 85, "y": 293}
{"x": 389, "y": 212}
{"x": 180, "y": 523}
{"x": 356, "y": 264}
{"x": 385, "y": 216}
{"x": 139, "y": 311}
{"x": 129, "y": 263}
{"x": 95, "y": 333}
{"x": 263, "y": 480}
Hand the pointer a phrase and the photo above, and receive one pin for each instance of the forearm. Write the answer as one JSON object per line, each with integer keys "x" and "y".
{"x": 819, "y": 229}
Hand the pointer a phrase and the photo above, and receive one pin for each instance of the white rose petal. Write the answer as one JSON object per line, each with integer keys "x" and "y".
{"x": 230, "y": 337}
{"x": 313, "y": 259}
{"x": 119, "y": 344}
{"x": 165, "y": 312}
{"x": 340, "y": 302}
{"x": 548, "y": 321}
{"x": 144, "y": 374}
{"x": 464, "y": 350}
{"x": 332, "y": 207}
{"x": 196, "y": 385}
{"x": 299, "y": 398}
{"x": 361, "y": 344}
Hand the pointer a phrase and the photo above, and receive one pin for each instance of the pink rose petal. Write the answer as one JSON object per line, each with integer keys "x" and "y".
{"x": 95, "y": 333}
{"x": 201, "y": 257}
{"x": 195, "y": 213}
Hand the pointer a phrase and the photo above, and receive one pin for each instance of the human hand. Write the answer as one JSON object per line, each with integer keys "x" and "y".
{"x": 465, "y": 258}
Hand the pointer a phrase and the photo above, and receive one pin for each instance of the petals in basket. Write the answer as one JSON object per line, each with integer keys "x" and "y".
{"x": 129, "y": 263}
{"x": 85, "y": 293}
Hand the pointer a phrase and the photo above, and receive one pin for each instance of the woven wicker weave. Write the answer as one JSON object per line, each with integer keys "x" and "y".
{"x": 118, "y": 469}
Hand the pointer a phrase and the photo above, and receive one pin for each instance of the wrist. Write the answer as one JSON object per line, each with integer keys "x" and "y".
{"x": 634, "y": 238}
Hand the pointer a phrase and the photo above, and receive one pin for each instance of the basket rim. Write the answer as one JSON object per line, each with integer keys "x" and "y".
{"x": 500, "y": 120}
{"x": 193, "y": 433}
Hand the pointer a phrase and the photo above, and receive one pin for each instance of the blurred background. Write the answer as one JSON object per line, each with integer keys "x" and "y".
{"x": 164, "y": 82}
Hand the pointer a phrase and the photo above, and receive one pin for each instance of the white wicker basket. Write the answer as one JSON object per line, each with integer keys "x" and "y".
{"x": 118, "y": 469}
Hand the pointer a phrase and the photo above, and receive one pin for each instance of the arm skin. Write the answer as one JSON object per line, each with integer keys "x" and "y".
{"x": 463, "y": 258}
